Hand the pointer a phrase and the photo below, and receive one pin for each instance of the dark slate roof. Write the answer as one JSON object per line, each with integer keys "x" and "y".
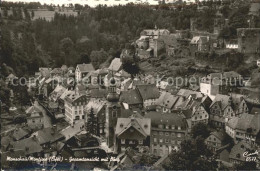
{"x": 219, "y": 134}
{"x": 223, "y": 100}
{"x": 48, "y": 135}
{"x": 245, "y": 122}
{"x": 143, "y": 125}
{"x": 186, "y": 93}
{"x": 28, "y": 145}
{"x": 20, "y": 133}
{"x": 98, "y": 93}
{"x": 158, "y": 118}
{"x": 131, "y": 97}
{"x": 167, "y": 100}
{"x": 56, "y": 71}
{"x": 238, "y": 150}
{"x": 148, "y": 91}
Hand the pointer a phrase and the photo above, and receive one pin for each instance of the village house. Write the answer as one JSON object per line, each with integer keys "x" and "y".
{"x": 194, "y": 112}
{"x": 254, "y": 9}
{"x": 215, "y": 140}
{"x": 115, "y": 65}
{"x": 56, "y": 93}
{"x": 98, "y": 94}
{"x": 45, "y": 72}
{"x": 150, "y": 42}
{"x": 132, "y": 132}
{"x": 56, "y": 72}
{"x": 221, "y": 110}
{"x": 200, "y": 44}
{"x": 246, "y": 127}
{"x": 131, "y": 99}
{"x": 168, "y": 102}
{"x": 149, "y": 94}
{"x": 64, "y": 69}
{"x": 71, "y": 72}
{"x": 167, "y": 132}
{"x": 21, "y": 133}
{"x": 30, "y": 146}
{"x": 239, "y": 104}
{"x": 46, "y": 137}
{"x": 74, "y": 107}
{"x": 35, "y": 118}
{"x": 10, "y": 79}
{"x": 82, "y": 70}
{"x": 236, "y": 155}
{"x": 220, "y": 83}
{"x": 48, "y": 86}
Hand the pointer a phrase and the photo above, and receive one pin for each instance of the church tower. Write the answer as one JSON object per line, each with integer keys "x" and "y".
{"x": 113, "y": 111}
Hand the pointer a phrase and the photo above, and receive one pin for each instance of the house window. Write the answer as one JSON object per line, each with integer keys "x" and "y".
{"x": 173, "y": 134}
{"x": 173, "y": 141}
{"x": 140, "y": 141}
{"x": 173, "y": 127}
{"x": 155, "y": 140}
{"x": 166, "y": 141}
{"x": 178, "y": 142}
{"x": 179, "y": 128}
{"x": 160, "y": 126}
{"x": 131, "y": 142}
{"x": 114, "y": 114}
{"x": 167, "y": 126}
{"x": 179, "y": 135}
{"x": 166, "y": 133}
{"x": 161, "y": 133}
{"x": 122, "y": 141}
{"x": 161, "y": 140}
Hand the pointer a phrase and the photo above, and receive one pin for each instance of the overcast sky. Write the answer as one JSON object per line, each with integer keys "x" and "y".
{"x": 91, "y": 3}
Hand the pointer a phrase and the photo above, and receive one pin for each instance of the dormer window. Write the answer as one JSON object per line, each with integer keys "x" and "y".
{"x": 160, "y": 126}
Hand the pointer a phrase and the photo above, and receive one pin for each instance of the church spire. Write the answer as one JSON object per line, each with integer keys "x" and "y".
{"x": 112, "y": 95}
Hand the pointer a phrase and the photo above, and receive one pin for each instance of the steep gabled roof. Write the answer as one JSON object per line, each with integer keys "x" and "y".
{"x": 158, "y": 118}
{"x": 142, "y": 125}
{"x": 97, "y": 105}
{"x": 115, "y": 65}
{"x": 247, "y": 122}
{"x": 219, "y": 134}
{"x": 239, "y": 149}
{"x": 148, "y": 91}
{"x": 186, "y": 93}
{"x": 131, "y": 97}
{"x": 85, "y": 67}
{"x": 167, "y": 100}
{"x": 28, "y": 145}
{"x": 223, "y": 100}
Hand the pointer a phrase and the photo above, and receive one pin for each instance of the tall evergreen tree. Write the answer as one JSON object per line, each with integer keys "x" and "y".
{"x": 92, "y": 122}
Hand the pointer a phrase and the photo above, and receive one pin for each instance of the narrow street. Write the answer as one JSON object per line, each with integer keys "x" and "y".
{"x": 47, "y": 119}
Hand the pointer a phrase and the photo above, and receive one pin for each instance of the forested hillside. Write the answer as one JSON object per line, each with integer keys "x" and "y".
{"x": 96, "y": 35}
